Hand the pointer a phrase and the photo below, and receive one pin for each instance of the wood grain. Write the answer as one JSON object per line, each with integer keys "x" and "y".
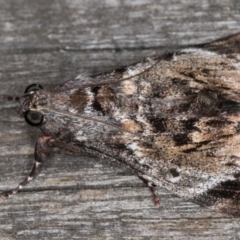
{"x": 80, "y": 197}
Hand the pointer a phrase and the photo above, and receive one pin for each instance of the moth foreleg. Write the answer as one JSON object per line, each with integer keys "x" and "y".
{"x": 40, "y": 153}
{"x": 150, "y": 185}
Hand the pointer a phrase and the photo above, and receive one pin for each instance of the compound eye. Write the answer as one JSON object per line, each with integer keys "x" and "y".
{"x": 33, "y": 118}
{"x": 33, "y": 88}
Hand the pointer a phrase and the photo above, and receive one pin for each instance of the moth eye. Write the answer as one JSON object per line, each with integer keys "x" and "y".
{"x": 33, "y": 88}
{"x": 33, "y": 118}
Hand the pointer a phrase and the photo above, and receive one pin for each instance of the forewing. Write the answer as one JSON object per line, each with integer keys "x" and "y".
{"x": 178, "y": 121}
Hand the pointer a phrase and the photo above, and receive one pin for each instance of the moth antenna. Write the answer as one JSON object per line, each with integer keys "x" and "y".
{"x": 4, "y": 97}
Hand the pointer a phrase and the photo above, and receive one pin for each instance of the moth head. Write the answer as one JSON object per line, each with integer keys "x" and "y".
{"x": 32, "y": 117}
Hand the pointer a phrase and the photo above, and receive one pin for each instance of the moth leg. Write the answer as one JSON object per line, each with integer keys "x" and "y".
{"x": 40, "y": 154}
{"x": 153, "y": 190}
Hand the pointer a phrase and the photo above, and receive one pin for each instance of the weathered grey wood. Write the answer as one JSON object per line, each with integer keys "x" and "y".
{"x": 79, "y": 197}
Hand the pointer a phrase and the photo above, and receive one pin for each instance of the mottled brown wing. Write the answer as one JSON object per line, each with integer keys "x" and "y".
{"x": 183, "y": 111}
{"x": 225, "y": 196}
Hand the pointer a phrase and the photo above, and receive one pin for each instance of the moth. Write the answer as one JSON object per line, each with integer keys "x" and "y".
{"x": 172, "y": 120}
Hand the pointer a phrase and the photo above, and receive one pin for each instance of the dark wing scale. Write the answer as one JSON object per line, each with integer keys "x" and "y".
{"x": 225, "y": 197}
{"x": 227, "y": 45}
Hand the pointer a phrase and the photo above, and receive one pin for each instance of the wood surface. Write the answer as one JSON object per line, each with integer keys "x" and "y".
{"x": 81, "y": 197}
